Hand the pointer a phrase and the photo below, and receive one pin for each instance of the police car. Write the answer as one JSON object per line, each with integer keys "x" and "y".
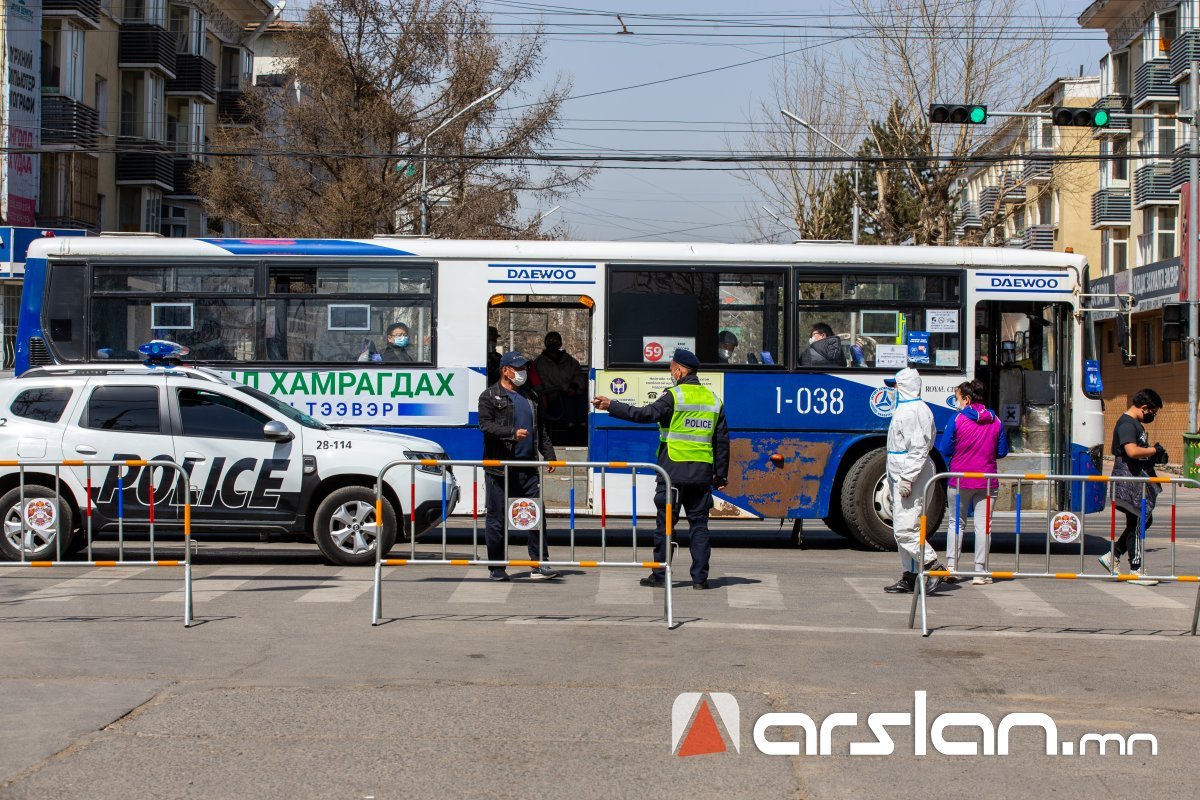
{"x": 253, "y": 463}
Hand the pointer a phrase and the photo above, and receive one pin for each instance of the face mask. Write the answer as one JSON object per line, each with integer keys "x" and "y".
{"x": 553, "y": 346}
{"x": 726, "y": 354}
{"x": 1148, "y": 416}
{"x": 519, "y": 377}
{"x": 401, "y": 341}
{"x": 814, "y": 339}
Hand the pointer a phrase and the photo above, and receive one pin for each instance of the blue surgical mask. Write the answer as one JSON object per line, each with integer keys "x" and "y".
{"x": 401, "y": 341}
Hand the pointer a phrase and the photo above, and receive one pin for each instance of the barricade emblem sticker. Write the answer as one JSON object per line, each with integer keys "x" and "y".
{"x": 40, "y": 514}
{"x": 882, "y": 402}
{"x": 524, "y": 514}
{"x": 1064, "y": 527}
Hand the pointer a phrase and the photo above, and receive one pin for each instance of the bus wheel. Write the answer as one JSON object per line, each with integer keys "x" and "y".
{"x": 42, "y": 524}
{"x": 867, "y": 519}
{"x": 345, "y": 527}
{"x": 836, "y": 521}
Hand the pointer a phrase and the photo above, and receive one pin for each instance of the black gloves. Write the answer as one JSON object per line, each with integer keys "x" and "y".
{"x": 1160, "y": 454}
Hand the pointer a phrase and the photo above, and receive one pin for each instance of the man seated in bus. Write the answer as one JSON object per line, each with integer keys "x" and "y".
{"x": 396, "y": 350}
{"x": 824, "y": 348}
{"x": 726, "y": 344}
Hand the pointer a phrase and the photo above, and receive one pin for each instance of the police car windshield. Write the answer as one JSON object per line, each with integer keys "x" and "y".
{"x": 284, "y": 408}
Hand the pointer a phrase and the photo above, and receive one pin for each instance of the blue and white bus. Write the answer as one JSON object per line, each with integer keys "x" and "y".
{"x": 308, "y": 320}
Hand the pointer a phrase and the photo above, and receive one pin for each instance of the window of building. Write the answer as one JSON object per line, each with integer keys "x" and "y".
{"x": 1165, "y": 126}
{"x": 62, "y": 60}
{"x": 101, "y": 94}
{"x": 174, "y": 223}
{"x": 138, "y": 209}
{"x": 196, "y": 131}
{"x": 68, "y": 189}
{"x": 1168, "y": 30}
{"x": 132, "y": 409}
{"x": 187, "y": 24}
{"x": 41, "y": 405}
{"x": 208, "y": 414}
{"x": 652, "y": 311}
{"x": 1120, "y": 162}
{"x": 1045, "y": 208}
{"x": 151, "y": 12}
{"x": 1146, "y": 357}
{"x": 1165, "y": 232}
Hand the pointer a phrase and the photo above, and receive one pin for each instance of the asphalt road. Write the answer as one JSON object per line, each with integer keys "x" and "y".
{"x": 537, "y": 689}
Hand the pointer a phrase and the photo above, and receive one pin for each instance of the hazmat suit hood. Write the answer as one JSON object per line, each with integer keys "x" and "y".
{"x": 907, "y": 383}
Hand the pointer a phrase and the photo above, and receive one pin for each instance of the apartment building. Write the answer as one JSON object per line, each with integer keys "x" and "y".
{"x": 131, "y": 92}
{"x": 1136, "y": 205}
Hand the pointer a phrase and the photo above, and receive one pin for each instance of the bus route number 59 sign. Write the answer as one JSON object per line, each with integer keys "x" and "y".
{"x": 657, "y": 349}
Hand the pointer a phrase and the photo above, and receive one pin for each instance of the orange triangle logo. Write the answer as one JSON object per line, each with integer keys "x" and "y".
{"x": 703, "y": 737}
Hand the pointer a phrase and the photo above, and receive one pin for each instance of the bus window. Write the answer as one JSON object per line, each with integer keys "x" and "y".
{"x": 726, "y": 317}
{"x": 65, "y": 317}
{"x": 864, "y": 320}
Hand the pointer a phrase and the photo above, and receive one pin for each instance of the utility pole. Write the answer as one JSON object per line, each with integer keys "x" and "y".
{"x": 1193, "y": 233}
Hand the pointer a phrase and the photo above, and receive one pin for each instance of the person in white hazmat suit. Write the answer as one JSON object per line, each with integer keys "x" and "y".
{"x": 910, "y": 437}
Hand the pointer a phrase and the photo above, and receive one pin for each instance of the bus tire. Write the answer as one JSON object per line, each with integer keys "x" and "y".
{"x": 862, "y": 503}
{"x": 836, "y": 521}
{"x": 344, "y": 526}
{"x": 42, "y": 537}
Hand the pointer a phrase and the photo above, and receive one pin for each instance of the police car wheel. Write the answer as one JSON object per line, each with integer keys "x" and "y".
{"x": 38, "y": 534}
{"x": 346, "y": 529}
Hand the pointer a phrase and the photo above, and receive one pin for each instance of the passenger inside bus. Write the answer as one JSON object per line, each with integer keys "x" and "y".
{"x": 563, "y": 386}
{"x": 824, "y": 348}
{"x": 726, "y": 344}
{"x": 396, "y": 350}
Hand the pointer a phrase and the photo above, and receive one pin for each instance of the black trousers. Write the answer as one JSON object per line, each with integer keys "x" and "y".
{"x": 1127, "y": 542}
{"x": 522, "y": 482}
{"x": 696, "y": 501}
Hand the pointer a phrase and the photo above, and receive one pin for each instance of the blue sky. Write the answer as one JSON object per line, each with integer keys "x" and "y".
{"x": 704, "y": 113}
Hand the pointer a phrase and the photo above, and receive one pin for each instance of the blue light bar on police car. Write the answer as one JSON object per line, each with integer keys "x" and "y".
{"x": 161, "y": 353}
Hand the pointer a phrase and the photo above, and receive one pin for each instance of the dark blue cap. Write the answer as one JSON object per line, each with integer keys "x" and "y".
{"x": 513, "y": 359}
{"x": 686, "y": 358}
{"x": 889, "y": 382}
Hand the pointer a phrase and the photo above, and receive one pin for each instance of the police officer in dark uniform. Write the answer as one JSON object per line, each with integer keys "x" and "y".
{"x": 693, "y": 450}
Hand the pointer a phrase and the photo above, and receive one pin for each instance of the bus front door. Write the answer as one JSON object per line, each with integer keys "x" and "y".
{"x": 1022, "y": 355}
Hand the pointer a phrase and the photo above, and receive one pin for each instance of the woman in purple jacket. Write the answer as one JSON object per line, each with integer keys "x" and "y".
{"x": 972, "y": 442}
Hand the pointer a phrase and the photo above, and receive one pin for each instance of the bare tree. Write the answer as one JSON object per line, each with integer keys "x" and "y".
{"x": 341, "y": 156}
{"x": 908, "y": 55}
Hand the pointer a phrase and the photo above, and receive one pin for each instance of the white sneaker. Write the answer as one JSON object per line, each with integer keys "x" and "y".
{"x": 1109, "y": 563}
{"x": 980, "y": 580}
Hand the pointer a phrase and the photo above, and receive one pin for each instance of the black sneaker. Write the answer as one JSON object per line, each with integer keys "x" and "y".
{"x": 653, "y": 581}
{"x": 498, "y": 575}
{"x": 904, "y": 585}
{"x": 701, "y": 585}
{"x": 544, "y": 574}
{"x": 932, "y": 583}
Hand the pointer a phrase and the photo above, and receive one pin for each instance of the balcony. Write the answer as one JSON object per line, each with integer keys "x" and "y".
{"x": 1152, "y": 186}
{"x": 968, "y": 216}
{"x": 68, "y": 122}
{"x": 1116, "y": 128}
{"x": 1038, "y": 237}
{"x": 230, "y": 108}
{"x": 1184, "y": 50}
{"x": 1012, "y": 190}
{"x": 143, "y": 163}
{"x": 85, "y": 12}
{"x": 1152, "y": 83}
{"x": 195, "y": 76}
{"x": 141, "y": 46}
{"x": 1111, "y": 208}
{"x": 1036, "y": 171}
{"x": 183, "y": 186}
{"x": 1180, "y": 165}
{"x": 989, "y": 200}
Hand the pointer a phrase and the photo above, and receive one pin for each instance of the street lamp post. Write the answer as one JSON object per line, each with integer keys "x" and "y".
{"x": 425, "y": 152}
{"x": 796, "y": 119}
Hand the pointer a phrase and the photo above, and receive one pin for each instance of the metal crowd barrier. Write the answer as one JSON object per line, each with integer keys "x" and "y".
{"x": 475, "y": 560}
{"x": 919, "y": 596}
{"x": 42, "y": 468}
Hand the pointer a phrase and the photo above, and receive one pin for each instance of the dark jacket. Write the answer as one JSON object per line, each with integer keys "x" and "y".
{"x": 659, "y": 413}
{"x": 396, "y": 355}
{"x": 825, "y": 352}
{"x": 497, "y": 421}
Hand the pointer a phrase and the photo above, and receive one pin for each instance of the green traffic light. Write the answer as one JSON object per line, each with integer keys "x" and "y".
{"x": 978, "y": 115}
{"x": 1101, "y": 118}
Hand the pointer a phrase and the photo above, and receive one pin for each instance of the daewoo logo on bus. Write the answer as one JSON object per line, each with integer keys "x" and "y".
{"x": 1017, "y": 282}
{"x": 541, "y": 274}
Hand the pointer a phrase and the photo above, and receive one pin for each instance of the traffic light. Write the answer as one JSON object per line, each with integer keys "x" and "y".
{"x": 962, "y": 114}
{"x": 1080, "y": 116}
{"x": 1174, "y": 322}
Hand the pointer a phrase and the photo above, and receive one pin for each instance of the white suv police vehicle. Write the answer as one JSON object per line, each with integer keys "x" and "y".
{"x": 254, "y": 463}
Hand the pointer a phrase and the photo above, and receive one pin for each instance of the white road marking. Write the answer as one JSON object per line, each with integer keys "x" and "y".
{"x": 477, "y": 588}
{"x": 619, "y": 587}
{"x": 347, "y": 585}
{"x": 83, "y": 584}
{"x": 763, "y": 594}
{"x": 212, "y": 586}
{"x": 1138, "y": 596}
{"x": 1016, "y": 599}
{"x": 871, "y": 590}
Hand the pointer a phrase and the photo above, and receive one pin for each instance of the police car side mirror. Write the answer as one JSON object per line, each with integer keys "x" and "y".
{"x": 276, "y": 431}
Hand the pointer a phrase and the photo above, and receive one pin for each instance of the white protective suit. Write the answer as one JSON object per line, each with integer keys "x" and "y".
{"x": 909, "y": 440}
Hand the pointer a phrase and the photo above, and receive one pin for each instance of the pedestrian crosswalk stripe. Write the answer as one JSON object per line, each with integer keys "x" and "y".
{"x": 619, "y": 587}
{"x": 871, "y": 590}
{"x": 1138, "y": 596}
{"x": 759, "y": 591}
{"x": 84, "y": 584}
{"x": 347, "y": 585}
{"x": 217, "y": 583}
{"x": 1017, "y": 600}
{"x": 476, "y": 587}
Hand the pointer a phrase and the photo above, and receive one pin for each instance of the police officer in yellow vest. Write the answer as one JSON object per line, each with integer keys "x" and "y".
{"x": 693, "y": 449}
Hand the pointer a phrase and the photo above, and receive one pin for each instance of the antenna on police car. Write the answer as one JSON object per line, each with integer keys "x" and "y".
{"x": 161, "y": 353}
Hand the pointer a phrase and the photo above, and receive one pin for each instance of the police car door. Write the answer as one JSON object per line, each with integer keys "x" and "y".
{"x": 124, "y": 419}
{"x": 240, "y": 478}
